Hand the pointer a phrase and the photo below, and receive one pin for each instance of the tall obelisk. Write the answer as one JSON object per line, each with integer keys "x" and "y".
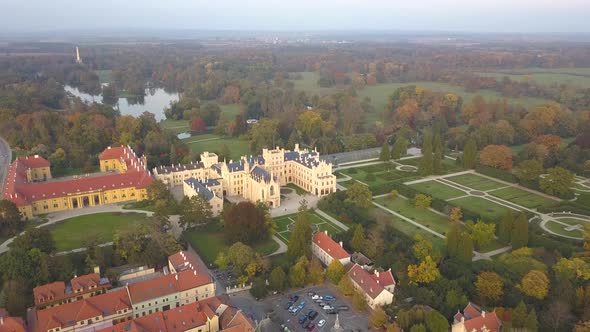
{"x": 78, "y": 58}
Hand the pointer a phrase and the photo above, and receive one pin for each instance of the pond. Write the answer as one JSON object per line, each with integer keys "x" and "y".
{"x": 154, "y": 101}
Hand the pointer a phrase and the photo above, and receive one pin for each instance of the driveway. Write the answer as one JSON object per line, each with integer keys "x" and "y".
{"x": 5, "y": 159}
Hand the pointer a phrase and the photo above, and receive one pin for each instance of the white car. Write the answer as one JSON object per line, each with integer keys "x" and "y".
{"x": 322, "y": 323}
{"x": 328, "y": 307}
{"x": 316, "y": 297}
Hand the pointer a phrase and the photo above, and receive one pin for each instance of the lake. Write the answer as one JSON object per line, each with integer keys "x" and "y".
{"x": 154, "y": 101}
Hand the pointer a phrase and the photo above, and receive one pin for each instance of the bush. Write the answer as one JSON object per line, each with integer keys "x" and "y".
{"x": 496, "y": 173}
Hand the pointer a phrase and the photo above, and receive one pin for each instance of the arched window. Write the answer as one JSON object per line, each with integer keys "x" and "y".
{"x": 272, "y": 190}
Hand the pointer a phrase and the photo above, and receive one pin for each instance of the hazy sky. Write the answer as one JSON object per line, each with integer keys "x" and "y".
{"x": 425, "y": 15}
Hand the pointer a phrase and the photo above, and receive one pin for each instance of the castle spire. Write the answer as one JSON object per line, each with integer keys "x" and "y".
{"x": 78, "y": 58}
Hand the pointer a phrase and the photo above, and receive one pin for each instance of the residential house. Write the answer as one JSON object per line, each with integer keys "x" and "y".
{"x": 377, "y": 287}
{"x": 474, "y": 319}
{"x": 326, "y": 249}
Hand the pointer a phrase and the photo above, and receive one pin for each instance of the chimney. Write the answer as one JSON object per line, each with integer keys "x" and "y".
{"x": 340, "y": 243}
{"x": 1, "y": 320}
{"x": 326, "y": 232}
{"x": 176, "y": 276}
{"x": 483, "y": 314}
{"x": 377, "y": 273}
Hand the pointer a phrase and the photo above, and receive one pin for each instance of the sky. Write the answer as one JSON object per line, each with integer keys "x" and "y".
{"x": 527, "y": 16}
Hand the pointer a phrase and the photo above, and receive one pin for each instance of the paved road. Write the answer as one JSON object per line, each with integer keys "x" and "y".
{"x": 5, "y": 158}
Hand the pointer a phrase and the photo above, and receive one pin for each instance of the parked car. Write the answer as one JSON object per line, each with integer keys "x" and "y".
{"x": 343, "y": 308}
{"x": 329, "y": 298}
{"x": 310, "y": 327}
{"x": 312, "y": 315}
{"x": 332, "y": 312}
{"x": 288, "y": 305}
{"x": 316, "y": 297}
{"x": 321, "y": 323}
{"x": 295, "y": 310}
{"x": 301, "y": 305}
{"x": 322, "y": 304}
{"x": 328, "y": 307}
{"x": 311, "y": 294}
{"x": 302, "y": 319}
{"x": 293, "y": 298}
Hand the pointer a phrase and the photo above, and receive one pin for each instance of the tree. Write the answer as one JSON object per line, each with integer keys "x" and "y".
{"x": 385, "y": 154}
{"x": 453, "y": 240}
{"x": 519, "y": 315}
{"x": 358, "y": 301}
{"x": 532, "y": 323}
{"x": 378, "y": 318}
{"x": 506, "y": 225}
{"x": 535, "y": 284}
{"x": 300, "y": 241}
{"x": 436, "y": 322}
{"x": 393, "y": 195}
{"x": 198, "y": 125}
{"x": 489, "y": 287}
{"x": 529, "y": 170}
{"x": 423, "y": 248}
{"x": 437, "y": 165}
{"x": 345, "y": 286}
{"x": 259, "y": 289}
{"x": 241, "y": 256}
{"x": 582, "y": 326}
{"x": 297, "y": 274}
{"x": 222, "y": 261}
{"x": 422, "y": 201}
{"x": 557, "y": 316}
{"x": 424, "y": 273}
{"x": 277, "y": 279}
{"x": 418, "y": 328}
{"x": 264, "y": 134}
{"x": 455, "y": 214}
{"x": 194, "y": 211}
{"x": 465, "y": 251}
{"x": 358, "y": 239}
{"x": 470, "y": 154}
{"x": 10, "y": 218}
{"x": 496, "y": 156}
{"x": 393, "y": 328}
{"x": 573, "y": 270}
{"x": 558, "y": 181}
{"x": 520, "y": 232}
{"x": 482, "y": 233}
{"x": 335, "y": 271}
{"x": 245, "y": 222}
{"x": 315, "y": 272}
{"x": 400, "y": 148}
{"x": 39, "y": 238}
{"x": 16, "y": 297}
{"x": 425, "y": 166}
{"x": 359, "y": 195}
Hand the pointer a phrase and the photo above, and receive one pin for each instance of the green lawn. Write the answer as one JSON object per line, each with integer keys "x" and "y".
{"x": 309, "y": 83}
{"x": 438, "y": 190}
{"x": 76, "y": 232}
{"x": 209, "y": 241}
{"x": 489, "y": 211}
{"x": 560, "y": 229}
{"x": 523, "y": 197}
{"x": 406, "y": 228}
{"x": 104, "y": 76}
{"x": 547, "y": 77}
{"x": 230, "y": 111}
{"x": 382, "y": 173}
{"x": 283, "y": 223}
{"x": 449, "y": 166}
{"x": 177, "y": 126}
{"x": 298, "y": 190}
{"x": 475, "y": 182}
{"x": 425, "y": 217}
{"x": 214, "y": 143}
{"x": 573, "y": 221}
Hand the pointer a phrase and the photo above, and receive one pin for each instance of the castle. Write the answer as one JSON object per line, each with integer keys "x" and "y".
{"x": 255, "y": 178}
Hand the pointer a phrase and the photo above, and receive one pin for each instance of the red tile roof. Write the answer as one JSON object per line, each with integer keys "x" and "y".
{"x": 68, "y": 314}
{"x": 330, "y": 246}
{"x": 384, "y": 278}
{"x": 365, "y": 281}
{"x": 172, "y": 283}
{"x": 186, "y": 260}
{"x": 113, "y": 153}
{"x": 476, "y": 319}
{"x": 12, "y": 324}
{"x": 49, "y": 292}
{"x": 87, "y": 282}
{"x": 33, "y": 161}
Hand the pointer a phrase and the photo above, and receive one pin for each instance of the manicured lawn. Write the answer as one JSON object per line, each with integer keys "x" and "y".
{"x": 560, "y": 229}
{"x": 568, "y": 76}
{"x": 209, "y": 241}
{"x": 214, "y": 143}
{"x": 76, "y": 232}
{"x": 449, "y": 166}
{"x": 489, "y": 211}
{"x": 425, "y": 217}
{"x": 438, "y": 190}
{"x": 298, "y": 190}
{"x": 382, "y": 173}
{"x": 573, "y": 221}
{"x": 406, "y": 228}
{"x": 176, "y": 126}
{"x": 476, "y": 182}
{"x": 104, "y": 76}
{"x": 285, "y": 225}
{"x": 523, "y": 198}
{"x": 230, "y": 111}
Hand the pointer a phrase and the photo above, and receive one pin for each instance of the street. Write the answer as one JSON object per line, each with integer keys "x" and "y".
{"x": 5, "y": 159}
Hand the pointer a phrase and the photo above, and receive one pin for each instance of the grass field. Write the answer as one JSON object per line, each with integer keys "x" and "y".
{"x": 489, "y": 211}
{"x": 285, "y": 225}
{"x": 560, "y": 229}
{"x": 382, "y": 173}
{"x": 230, "y": 111}
{"x": 209, "y": 241}
{"x": 449, "y": 166}
{"x": 476, "y": 182}
{"x": 523, "y": 197}
{"x": 177, "y": 126}
{"x": 579, "y": 77}
{"x": 104, "y": 76}
{"x": 437, "y": 190}
{"x": 309, "y": 83}
{"x": 214, "y": 143}
{"x": 425, "y": 217}
{"x": 76, "y": 232}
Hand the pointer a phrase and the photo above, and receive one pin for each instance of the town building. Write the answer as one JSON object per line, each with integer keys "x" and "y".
{"x": 474, "y": 319}
{"x": 11, "y": 324}
{"x": 79, "y": 288}
{"x": 209, "y": 191}
{"x": 186, "y": 260}
{"x": 326, "y": 249}
{"x": 124, "y": 177}
{"x": 256, "y": 178}
{"x": 377, "y": 287}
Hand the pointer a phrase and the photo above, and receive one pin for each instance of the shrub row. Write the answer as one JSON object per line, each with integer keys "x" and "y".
{"x": 496, "y": 173}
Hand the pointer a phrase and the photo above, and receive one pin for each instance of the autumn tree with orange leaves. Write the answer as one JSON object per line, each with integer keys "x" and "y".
{"x": 497, "y": 156}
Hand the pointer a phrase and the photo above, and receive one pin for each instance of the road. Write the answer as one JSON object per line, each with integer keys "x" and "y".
{"x": 5, "y": 159}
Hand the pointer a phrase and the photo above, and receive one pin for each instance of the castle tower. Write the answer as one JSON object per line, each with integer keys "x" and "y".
{"x": 337, "y": 327}
{"x": 78, "y": 58}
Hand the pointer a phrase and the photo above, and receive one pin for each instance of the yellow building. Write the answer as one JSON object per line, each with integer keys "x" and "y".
{"x": 30, "y": 186}
{"x": 257, "y": 178}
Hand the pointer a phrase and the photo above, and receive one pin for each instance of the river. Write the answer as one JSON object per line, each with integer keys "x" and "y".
{"x": 154, "y": 101}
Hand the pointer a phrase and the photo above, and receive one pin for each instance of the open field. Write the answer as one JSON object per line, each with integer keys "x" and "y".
{"x": 523, "y": 197}
{"x": 104, "y": 76}
{"x": 176, "y": 126}
{"x": 285, "y": 225}
{"x": 449, "y": 166}
{"x": 406, "y": 228}
{"x": 215, "y": 143}
{"x": 309, "y": 83}
{"x": 560, "y": 229}
{"x": 425, "y": 217}
{"x": 209, "y": 241}
{"x": 579, "y": 77}
{"x": 77, "y": 232}
{"x": 229, "y": 111}
{"x": 489, "y": 211}
{"x": 437, "y": 190}
{"x": 476, "y": 182}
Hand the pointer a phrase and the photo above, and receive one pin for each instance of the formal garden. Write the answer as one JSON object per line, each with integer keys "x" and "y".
{"x": 286, "y": 223}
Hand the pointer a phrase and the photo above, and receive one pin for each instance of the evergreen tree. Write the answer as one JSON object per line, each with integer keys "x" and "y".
{"x": 465, "y": 252}
{"x": 505, "y": 229}
{"x": 400, "y": 148}
{"x": 437, "y": 165}
{"x": 519, "y": 316}
{"x": 470, "y": 154}
{"x": 520, "y": 232}
{"x": 385, "y": 154}
{"x": 453, "y": 240}
{"x": 531, "y": 323}
{"x": 278, "y": 279}
{"x": 297, "y": 274}
{"x": 358, "y": 239}
{"x": 299, "y": 243}
{"x": 426, "y": 162}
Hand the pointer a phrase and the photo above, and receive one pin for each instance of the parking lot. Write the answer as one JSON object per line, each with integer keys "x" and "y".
{"x": 275, "y": 307}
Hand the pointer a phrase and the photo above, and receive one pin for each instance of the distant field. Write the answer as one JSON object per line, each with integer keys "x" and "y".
{"x": 177, "y": 126}
{"x": 230, "y": 111}
{"x": 214, "y": 143}
{"x": 104, "y": 76}
{"x": 309, "y": 83}
{"x": 544, "y": 78}
{"x": 438, "y": 190}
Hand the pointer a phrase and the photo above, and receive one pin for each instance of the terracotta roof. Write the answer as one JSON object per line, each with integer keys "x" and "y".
{"x": 234, "y": 320}
{"x": 476, "y": 319}
{"x": 68, "y": 314}
{"x": 113, "y": 153}
{"x": 85, "y": 282}
{"x": 471, "y": 310}
{"x": 49, "y": 292}
{"x": 384, "y": 278}
{"x": 186, "y": 260}
{"x": 330, "y": 246}
{"x": 365, "y": 281}
{"x": 168, "y": 284}
{"x": 33, "y": 161}
{"x": 12, "y": 324}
